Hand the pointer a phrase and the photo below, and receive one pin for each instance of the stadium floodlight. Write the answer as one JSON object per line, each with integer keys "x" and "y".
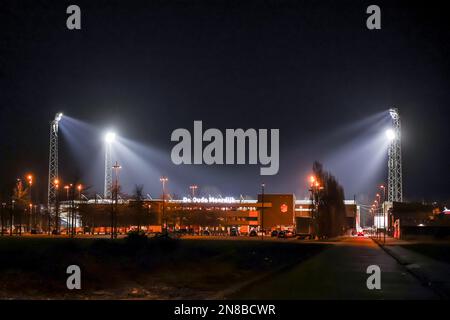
{"x": 390, "y": 134}
{"x": 58, "y": 116}
{"x": 394, "y": 113}
{"x": 395, "y": 185}
{"x": 53, "y": 162}
{"x": 110, "y": 137}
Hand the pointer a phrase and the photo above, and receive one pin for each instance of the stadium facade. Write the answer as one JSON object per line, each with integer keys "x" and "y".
{"x": 216, "y": 214}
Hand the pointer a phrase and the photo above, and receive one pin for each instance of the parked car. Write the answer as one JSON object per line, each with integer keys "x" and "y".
{"x": 360, "y": 234}
{"x": 206, "y": 233}
{"x": 234, "y": 232}
{"x": 274, "y": 233}
{"x": 285, "y": 234}
{"x": 253, "y": 233}
{"x": 182, "y": 232}
{"x": 290, "y": 234}
{"x": 303, "y": 236}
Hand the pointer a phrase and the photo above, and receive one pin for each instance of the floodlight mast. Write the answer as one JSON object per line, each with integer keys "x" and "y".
{"x": 109, "y": 139}
{"x": 53, "y": 163}
{"x": 395, "y": 184}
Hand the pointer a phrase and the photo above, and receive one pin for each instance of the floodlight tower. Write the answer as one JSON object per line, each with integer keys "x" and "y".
{"x": 53, "y": 162}
{"x": 109, "y": 139}
{"x": 395, "y": 188}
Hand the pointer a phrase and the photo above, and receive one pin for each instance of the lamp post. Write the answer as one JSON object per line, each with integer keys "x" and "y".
{"x": 263, "y": 185}
{"x": 163, "y": 181}
{"x": 11, "y": 217}
{"x": 193, "y": 188}
{"x": 30, "y": 207}
{"x": 69, "y": 211}
{"x": 66, "y": 187}
{"x": 315, "y": 188}
{"x": 374, "y": 218}
{"x": 386, "y": 221}
{"x": 30, "y": 184}
{"x": 3, "y": 217}
{"x": 79, "y": 188}
{"x": 56, "y": 184}
{"x": 19, "y": 218}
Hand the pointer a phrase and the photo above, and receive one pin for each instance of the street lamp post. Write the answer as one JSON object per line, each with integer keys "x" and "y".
{"x": 374, "y": 219}
{"x": 386, "y": 221}
{"x": 11, "y": 217}
{"x": 19, "y": 218}
{"x": 262, "y": 210}
{"x": 67, "y": 188}
{"x": 377, "y": 214}
{"x": 30, "y": 206}
{"x": 315, "y": 199}
{"x": 163, "y": 181}
{"x": 56, "y": 184}
{"x": 79, "y": 188}
{"x": 193, "y": 188}
{"x": 30, "y": 184}
{"x": 72, "y": 210}
{"x": 3, "y": 218}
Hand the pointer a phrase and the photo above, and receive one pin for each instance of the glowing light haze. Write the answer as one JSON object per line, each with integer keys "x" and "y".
{"x": 355, "y": 153}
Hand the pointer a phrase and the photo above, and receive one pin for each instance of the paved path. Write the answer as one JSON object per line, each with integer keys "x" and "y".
{"x": 433, "y": 272}
{"x": 340, "y": 273}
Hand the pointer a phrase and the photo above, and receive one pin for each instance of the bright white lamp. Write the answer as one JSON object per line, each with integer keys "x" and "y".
{"x": 390, "y": 134}
{"x": 110, "y": 137}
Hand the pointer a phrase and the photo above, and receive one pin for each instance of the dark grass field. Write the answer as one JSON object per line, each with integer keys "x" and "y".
{"x": 156, "y": 268}
{"x": 437, "y": 251}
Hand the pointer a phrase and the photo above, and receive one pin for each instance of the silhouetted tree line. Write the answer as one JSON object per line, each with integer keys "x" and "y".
{"x": 331, "y": 216}
{"x": 130, "y": 214}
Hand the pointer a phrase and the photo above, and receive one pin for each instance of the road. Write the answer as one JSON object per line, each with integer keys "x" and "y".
{"x": 340, "y": 273}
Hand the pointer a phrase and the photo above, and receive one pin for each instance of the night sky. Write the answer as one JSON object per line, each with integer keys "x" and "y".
{"x": 309, "y": 68}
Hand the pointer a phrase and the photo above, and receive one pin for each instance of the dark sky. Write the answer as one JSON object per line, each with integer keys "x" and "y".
{"x": 308, "y": 68}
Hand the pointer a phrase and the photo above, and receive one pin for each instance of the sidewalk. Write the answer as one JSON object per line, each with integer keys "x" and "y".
{"x": 339, "y": 273}
{"x": 430, "y": 272}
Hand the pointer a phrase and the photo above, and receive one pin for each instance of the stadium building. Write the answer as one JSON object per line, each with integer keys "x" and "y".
{"x": 216, "y": 214}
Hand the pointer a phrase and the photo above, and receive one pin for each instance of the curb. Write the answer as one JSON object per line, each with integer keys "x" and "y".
{"x": 420, "y": 276}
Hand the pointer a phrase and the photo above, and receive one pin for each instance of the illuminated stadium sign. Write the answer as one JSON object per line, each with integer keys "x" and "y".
{"x": 210, "y": 200}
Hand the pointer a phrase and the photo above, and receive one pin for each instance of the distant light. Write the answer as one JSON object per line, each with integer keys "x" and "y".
{"x": 110, "y": 137}
{"x": 390, "y": 134}
{"x": 421, "y": 225}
